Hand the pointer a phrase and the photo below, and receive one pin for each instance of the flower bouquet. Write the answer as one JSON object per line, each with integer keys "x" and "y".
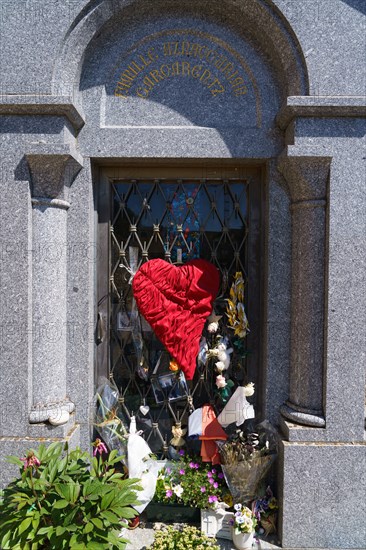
{"x": 107, "y": 419}
{"x": 246, "y": 459}
{"x": 265, "y": 510}
{"x": 243, "y": 524}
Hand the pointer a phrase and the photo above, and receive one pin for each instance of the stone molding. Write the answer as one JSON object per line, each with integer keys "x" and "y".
{"x": 52, "y": 203}
{"x": 43, "y": 105}
{"x": 318, "y": 106}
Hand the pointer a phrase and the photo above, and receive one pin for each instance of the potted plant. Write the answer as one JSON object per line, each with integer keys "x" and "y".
{"x": 243, "y": 527}
{"x": 190, "y": 484}
{"x": 182, "y": 539}
{"x": 66, "y": 500}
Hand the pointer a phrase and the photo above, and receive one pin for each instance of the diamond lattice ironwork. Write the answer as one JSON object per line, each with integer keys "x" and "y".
{"x": 176, "y": 220}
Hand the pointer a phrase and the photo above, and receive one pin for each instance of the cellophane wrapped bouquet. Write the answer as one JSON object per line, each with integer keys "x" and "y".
{"x": 246, "y": 459}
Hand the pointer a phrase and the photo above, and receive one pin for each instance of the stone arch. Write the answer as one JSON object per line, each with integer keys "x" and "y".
{"x": 258, "y": 19}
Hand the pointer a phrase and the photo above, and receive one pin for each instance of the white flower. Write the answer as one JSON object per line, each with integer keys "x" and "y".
{"x": 220, "y": 381}
{"x": 249, "y": 389}
{"x": 178, "y": 490}
{"x": 237, "y": 507}
{"x": 220, "y": 366}
{"x": 213, "y": 327}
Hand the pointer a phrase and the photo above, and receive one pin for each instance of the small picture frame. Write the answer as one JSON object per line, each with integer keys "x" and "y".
{"x": 171, "y": 386}
{"x": 123, "y": 321}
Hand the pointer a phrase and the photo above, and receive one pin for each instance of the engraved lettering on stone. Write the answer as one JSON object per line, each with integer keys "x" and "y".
{"x": 148, "y": 68}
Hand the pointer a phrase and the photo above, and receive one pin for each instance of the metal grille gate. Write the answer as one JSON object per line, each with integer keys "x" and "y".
{"x": 176, "y": 220}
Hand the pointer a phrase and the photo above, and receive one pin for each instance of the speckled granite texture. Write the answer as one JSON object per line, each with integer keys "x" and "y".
{"x": 281, "y": 84}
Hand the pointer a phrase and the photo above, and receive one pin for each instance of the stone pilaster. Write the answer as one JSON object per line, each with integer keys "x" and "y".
{"x": 307, "y": 180}
{"x": 51, "y": 175}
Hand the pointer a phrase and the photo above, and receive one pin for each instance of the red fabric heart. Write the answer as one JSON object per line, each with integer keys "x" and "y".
{"x": 176, "y": 301}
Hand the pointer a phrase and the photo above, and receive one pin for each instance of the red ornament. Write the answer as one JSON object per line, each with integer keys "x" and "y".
{"x": 176, "y": 301}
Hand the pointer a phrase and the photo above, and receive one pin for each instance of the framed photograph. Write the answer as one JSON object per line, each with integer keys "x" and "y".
{"x": 171, "y": 386}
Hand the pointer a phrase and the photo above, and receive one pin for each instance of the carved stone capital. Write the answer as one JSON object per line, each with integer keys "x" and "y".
{"x": 307, "y": 177}
{"x": 52, "y": 172}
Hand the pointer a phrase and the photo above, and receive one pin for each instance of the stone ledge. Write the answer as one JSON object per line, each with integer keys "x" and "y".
{"x": 43, "y": 105}
{"x": 320, "y": 106}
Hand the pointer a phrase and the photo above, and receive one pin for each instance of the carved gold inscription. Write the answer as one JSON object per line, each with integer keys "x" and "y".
{"x": 180, "y": 59}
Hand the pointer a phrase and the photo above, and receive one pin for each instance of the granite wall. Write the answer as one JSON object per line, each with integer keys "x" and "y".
{"x": 278, "y": 83}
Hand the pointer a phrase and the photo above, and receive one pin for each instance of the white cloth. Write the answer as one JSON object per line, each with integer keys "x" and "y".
{"x": 195, "y": 423}
{"x": 142, "y": 467}
{"x": 237, "y": 409}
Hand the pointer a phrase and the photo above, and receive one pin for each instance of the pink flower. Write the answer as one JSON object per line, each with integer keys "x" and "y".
{"x": 211, "y": 481}
{"x": 192, "y": 465}
{"x": 216, "y": 485}
{"x": 203, "y": 489}
{"x": 30, "y": 461}
{"x": 212, "y": 498}
{"x": 99, "y": 447}
{"x": 209, "y": 474}
{"x": 169, "y": 493}
{"x": 182, "y": 472}
{"x": 220, "y": 381}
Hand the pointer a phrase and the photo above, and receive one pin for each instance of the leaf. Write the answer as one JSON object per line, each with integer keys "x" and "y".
{"x": 74, "y": 492}
{"x": 24, "y": 525}
{"x": 44, "y": 530}
{"x": 110, "y": 516}
{"x": 88, "y": 528}
{"x": 96, "y": 546}
{"x": 107, "y": 500}
{"x": 98, "y": 523}
{"x": 60, "y": 504}
{"x": 15, "y": 460}
{"x": 5, "y": 540}
{"x": 64, "y": 490}
{"x": 60, "y": 530}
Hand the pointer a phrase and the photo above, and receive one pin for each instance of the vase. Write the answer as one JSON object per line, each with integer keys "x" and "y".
{"x": 243, "y": 541}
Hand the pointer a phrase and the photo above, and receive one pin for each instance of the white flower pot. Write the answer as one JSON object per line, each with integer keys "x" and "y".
{"x": 243, "y": 541}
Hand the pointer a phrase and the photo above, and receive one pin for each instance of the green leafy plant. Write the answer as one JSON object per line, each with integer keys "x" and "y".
{"x": 190, "y": 482}
{"x": 65, "y": 499}
{"x": 187, "y": 538}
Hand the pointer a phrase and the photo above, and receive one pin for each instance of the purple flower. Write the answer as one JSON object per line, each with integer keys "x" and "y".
{"x": 231, "y": 521}
{"x": 203, "y": 489}
{"x": 182, "y": 452}
{"x": 99, "y": 447}
{"x": 169, "y": 493}
{"x": 212, "y": 498}
{"x": 196, "y": 466}
{"x": 213, "y": 471}
{"x": 182, "y": 472}
{"x": 221, "y": 475}
{"x": 216, "y": 485}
